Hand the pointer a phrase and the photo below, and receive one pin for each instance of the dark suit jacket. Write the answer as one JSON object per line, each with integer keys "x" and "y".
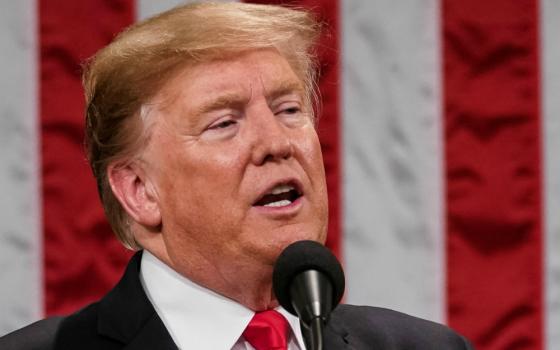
{"x": 125, "y": 319}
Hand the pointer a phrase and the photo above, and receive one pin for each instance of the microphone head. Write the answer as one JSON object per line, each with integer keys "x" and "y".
{"x": 303, "y": 256}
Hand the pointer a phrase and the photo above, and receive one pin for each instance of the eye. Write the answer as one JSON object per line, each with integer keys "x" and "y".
{"x": 222, "y": 124}
{"x": 289, "y": 109}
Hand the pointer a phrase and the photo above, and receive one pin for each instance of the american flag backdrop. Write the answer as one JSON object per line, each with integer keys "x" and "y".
{"x": 441, "y": 134}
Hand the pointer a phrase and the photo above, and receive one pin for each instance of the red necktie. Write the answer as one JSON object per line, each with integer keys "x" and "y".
{"x": 268, "y": 330}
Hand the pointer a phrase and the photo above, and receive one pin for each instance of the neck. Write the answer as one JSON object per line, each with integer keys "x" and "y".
{"x": 255, "y": 293}
{"x": 248, "y": 284}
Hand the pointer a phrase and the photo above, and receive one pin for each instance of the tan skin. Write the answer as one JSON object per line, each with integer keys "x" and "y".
{"x": 222, "y": 134}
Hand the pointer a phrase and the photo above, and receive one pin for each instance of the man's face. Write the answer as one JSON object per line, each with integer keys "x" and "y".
{"x": 235, "y": 162}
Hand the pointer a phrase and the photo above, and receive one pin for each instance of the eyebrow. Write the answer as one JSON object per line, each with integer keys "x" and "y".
{"x": 285, "y": 88}
{"x": 228, "y": 100}
{"x": 223, "y": 101}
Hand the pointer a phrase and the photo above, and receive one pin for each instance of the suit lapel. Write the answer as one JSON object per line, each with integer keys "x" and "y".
{"x": 153, "y": 335}
{"x": 126, "y": 314}
{"x": 334, "y": 337}
{"x": 335, "y": 341}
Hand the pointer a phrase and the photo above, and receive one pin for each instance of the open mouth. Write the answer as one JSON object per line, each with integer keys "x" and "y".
{"x": 280, "y": 196}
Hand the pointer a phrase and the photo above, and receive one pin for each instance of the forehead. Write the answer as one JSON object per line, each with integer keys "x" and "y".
{"x": 259, "y": 72}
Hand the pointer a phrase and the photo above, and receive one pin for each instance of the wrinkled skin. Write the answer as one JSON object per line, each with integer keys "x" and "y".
{"x": 222, "y": 134}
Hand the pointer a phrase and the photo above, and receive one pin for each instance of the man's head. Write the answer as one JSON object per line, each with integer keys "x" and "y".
{"x": 200, "y": 132}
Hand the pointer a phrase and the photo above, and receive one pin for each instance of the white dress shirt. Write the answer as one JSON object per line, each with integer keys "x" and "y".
{"x": 198, "y": 318}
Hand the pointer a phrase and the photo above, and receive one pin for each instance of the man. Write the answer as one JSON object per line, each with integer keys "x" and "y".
{"x": 201, "y": 135}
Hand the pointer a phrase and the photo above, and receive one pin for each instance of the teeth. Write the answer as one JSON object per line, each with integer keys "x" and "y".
{"x": 282, "y": 189}
{"x": 281, "y": 203}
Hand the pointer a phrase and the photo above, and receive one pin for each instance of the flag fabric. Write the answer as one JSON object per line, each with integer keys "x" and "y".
{"x": 440, "y": 128}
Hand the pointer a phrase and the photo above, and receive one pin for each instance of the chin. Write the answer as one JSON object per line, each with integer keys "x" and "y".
{"x": 267, "y": 249}
{"x": 289, "y": 239}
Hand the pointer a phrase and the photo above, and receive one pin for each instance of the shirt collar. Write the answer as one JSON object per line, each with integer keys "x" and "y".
{"x": 196, "y": 317}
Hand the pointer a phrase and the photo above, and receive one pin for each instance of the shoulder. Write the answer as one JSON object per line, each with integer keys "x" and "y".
{"x": 108, "y": 324}
{"x": 40, "y": 335}
{"x": 80, "y": 331}
{"x": 394, "y": 330}
{"x": 77, "y": 331}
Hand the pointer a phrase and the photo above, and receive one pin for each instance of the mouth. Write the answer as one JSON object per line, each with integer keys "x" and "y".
{"x": 281, "y": 195}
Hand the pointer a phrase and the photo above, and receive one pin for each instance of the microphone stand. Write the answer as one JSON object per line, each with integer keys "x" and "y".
{"x": 311, "y": 294}
{"x": 313, "y": 335}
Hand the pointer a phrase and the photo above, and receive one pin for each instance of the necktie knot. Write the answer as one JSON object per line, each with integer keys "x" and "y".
{"x": 268, "y": 330}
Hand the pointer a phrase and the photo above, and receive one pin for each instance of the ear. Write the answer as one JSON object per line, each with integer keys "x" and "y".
{"x": 136, "y": 193}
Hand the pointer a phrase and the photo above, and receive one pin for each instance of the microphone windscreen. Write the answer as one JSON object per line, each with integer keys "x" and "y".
{"x": 302, "y": 256}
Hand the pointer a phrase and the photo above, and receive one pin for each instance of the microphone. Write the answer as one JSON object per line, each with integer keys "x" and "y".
{"x": 308, "y": 281}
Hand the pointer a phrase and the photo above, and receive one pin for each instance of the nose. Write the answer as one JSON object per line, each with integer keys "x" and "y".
{"x": 271, "y": 140}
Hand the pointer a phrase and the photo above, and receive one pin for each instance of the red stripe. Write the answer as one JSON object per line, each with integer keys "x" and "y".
{"x": 82, "y": 259}
{"x": 493, "y": 172}
{"x": 329, "y": 122}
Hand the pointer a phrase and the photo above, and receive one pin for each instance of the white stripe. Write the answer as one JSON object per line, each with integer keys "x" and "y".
{"x": 550, "y": 43}
{"x": 20, "y": 238}
{"x": 392, "y": 155}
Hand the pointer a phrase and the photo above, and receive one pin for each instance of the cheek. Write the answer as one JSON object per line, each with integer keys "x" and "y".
{"x": 314, "y": 162}
{"x": 313, "y": 157}
{"x": 200, "y": 190}
{"x": 220, "y": 158}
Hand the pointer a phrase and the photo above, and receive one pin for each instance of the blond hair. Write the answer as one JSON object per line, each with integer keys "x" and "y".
{"x": 125, "y": 75}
